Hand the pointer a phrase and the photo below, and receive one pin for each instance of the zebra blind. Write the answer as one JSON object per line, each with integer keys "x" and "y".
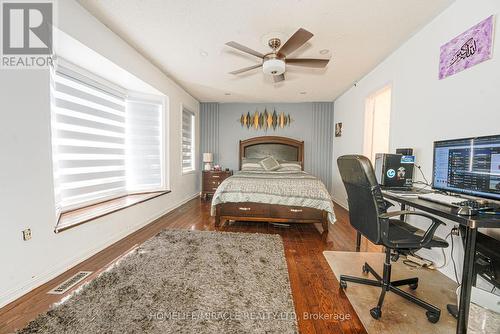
{"x": 188, "y": 130}
{"x": 88, "y": 140}
{"x": 143, "y": 142}
{"x": 103, "y": 145}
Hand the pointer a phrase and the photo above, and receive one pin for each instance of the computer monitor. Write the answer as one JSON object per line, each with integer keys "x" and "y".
{"x": 468, "y": 166}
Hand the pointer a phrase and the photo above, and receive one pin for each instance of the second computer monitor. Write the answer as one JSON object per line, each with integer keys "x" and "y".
{"x": 469, "y": 166}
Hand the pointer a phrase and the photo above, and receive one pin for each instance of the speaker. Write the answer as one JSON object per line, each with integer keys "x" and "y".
{"x": 404, "y": 151}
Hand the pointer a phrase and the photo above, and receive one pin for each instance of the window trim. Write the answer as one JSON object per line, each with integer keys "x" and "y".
{"x": 88, "y": 212}
{"x": 194, "y": 169}
{"x": 98, "y": 82}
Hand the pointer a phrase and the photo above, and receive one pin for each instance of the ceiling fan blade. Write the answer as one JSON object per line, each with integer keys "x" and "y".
{"x": 315, "y": 63}
{"x": 298, "y": 39}
{"x": 241, "y": 70}
{"x": 278, "y": 78}
{"x": 243, "y": 48}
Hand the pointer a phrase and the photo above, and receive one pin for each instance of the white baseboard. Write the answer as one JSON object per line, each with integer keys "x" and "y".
{"x": 13, "y": 294}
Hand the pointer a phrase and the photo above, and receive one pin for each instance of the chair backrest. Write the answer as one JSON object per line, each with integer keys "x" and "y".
{"x": 364, "y": 196}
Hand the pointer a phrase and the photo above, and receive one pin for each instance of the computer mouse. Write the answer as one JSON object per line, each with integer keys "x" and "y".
{"x": 466, "y": 211}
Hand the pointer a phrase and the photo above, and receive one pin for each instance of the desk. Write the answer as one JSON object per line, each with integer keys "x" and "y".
{"x": 471, "y": 224}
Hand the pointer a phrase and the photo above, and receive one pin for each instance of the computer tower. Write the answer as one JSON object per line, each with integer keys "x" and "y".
{"x": 394, "y": 170}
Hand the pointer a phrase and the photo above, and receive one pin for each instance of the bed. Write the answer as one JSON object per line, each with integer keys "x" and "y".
{"x": 280, "y": 196}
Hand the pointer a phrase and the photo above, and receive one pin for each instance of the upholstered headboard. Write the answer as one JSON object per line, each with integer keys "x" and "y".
{"x": 281, "y": 148}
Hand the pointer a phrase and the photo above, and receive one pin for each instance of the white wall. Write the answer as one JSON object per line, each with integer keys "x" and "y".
{"x": 425, "y": 109}
{"x": 26, "y": 190}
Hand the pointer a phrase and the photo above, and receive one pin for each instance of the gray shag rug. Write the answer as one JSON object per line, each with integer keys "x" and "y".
{"x": 184, "y": 282}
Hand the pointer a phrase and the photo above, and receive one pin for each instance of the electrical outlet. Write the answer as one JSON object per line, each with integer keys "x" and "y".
{"x": 27, "y": 234}
{"x": 455, "y": 232}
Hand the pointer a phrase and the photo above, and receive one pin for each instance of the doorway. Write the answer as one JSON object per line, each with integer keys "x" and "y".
{"x": 377, "y": 123}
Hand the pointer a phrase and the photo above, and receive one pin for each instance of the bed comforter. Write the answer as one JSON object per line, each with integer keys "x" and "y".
{"x": 283, "y": 188}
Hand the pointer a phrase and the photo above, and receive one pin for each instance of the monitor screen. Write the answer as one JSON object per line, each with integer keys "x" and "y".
{"x": 469, "y": 166}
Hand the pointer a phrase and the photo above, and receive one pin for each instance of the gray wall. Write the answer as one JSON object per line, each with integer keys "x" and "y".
{"x": 209, "y": 130}
{"x": 313, "y": 123}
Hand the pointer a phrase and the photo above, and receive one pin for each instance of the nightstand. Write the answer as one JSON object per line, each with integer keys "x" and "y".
{"x": 211, "y": 180}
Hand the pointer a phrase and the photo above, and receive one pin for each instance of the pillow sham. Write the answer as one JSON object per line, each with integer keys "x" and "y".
{"x": 294, "y": 166}
{"x": 251, "y": 164}
{"x": 270, "y": 164}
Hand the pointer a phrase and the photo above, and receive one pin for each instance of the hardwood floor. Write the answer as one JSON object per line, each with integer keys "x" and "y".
{"x": 319, "y": 303}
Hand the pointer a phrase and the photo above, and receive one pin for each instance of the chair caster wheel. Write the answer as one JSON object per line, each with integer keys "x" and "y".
{"x": 432, "y": 317}
{"x": 376, "y": 312}
{"x": 413, "y": 286}
{"x": 343, "y": 284}
{"x": 365, "y": 269}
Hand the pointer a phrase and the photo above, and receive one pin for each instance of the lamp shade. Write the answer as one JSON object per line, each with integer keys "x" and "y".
{"x": 208, "y": 157}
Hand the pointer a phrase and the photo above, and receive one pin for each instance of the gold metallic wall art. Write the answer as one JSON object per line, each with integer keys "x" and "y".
{"x": 265, "y": 120}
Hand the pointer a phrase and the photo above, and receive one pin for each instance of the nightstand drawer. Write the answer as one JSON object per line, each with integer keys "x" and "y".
{"x": 209, "y": 188}
{"x": 216, "y": 176}
{"x": 209, "y": 183}
{"x": 212, "y": 179}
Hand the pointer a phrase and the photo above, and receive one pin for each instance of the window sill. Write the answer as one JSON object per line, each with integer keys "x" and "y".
{"x": 83, "y": 215}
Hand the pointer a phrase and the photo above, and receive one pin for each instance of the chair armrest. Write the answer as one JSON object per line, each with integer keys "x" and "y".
{"x": 388, "y": 204}
{"x": 426, "y": 238}
{"x": 406, "y": 212}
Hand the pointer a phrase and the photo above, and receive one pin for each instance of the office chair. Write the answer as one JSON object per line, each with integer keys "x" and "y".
{"x": 368, "y": 214}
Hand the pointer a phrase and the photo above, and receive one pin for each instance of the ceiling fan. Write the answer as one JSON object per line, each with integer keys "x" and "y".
{"x": 274, "y": 63}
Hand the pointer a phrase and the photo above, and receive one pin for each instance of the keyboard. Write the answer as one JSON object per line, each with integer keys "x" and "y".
{"x": 478, "y": 205}
{"x": 441, "y": 199}
{"x": 401, "y": 190}
{"x": 457, "y": 202}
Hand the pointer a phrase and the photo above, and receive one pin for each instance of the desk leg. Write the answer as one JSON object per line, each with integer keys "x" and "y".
{"x": 467, "y": 279}
{"x": 358, "y": 241}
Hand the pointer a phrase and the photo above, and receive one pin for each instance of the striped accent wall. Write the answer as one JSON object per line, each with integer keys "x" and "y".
{"x": 313, "y": 123}
{"x": 322, "y": 142}
{"x": 209, "y": 130}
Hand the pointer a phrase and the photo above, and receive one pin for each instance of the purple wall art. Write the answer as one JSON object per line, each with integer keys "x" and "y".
{"x": 468, "y": 49}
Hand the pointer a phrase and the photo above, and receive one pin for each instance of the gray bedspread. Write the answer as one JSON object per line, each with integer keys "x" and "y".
{"x": 284, "y": 188}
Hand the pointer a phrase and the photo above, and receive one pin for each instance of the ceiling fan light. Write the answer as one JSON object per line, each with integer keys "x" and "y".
{"x": 274, "y": 66}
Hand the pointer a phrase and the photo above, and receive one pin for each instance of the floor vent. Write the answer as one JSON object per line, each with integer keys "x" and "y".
{"x": 70, "y": 282}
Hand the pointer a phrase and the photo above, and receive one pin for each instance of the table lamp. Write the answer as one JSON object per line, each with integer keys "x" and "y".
{"x": 208, "y": 158}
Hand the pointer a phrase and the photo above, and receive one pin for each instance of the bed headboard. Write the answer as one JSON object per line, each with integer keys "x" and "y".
{"x": 281, "y": 148}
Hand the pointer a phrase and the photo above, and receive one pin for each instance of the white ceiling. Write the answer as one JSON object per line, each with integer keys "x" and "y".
{"x": 173, "y": 34}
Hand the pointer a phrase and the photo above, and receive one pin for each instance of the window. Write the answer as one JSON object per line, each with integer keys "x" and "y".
{"x": 188, "y": 140}
{"x": 143, "y": 142}
{"x": 105, "y": 145}
{"x": 377, "y": 123}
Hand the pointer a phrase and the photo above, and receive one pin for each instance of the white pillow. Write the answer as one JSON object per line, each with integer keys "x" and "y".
{"x": 251, "y": 164}
{"x": 292, "y": 166}
{"x": 270, "y": 164}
